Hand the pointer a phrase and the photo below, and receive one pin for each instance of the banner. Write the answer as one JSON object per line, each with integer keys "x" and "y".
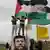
{"x": 42, "y": 32}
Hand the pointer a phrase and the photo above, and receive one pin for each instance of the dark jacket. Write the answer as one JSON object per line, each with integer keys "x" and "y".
{"x": 39, "y": 45}
{"x": 13, "y": 22}
{"x": 7, "y": 45}
{"x": 22, "y": 21}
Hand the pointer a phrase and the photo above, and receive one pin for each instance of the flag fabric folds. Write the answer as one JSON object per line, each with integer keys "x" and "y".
{"x": 18, "y": 8}
{"x": 31, "y": 11}
{"x": 41, "y": 22}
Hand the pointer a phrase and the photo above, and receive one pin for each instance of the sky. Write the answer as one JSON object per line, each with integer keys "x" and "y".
{"x": 7, "y": 9}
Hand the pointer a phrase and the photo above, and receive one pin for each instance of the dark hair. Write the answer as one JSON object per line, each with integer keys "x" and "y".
{"x": 18, "y": 37}
{"x": 18, "y": 18}
{"x": 22, "y": 16}
{"x": 25, "y": 17}
{"x": 7, "y": 45}
{"x": 12, "y": 16}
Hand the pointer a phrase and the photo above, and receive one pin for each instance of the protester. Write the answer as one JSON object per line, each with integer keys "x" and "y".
{"x": 7, "y": 46}
{"x": 22, "y": 20}
{"x": 18, "y": 25}
{"x": 19, "y": 43}
{"x": 13, "y": 25}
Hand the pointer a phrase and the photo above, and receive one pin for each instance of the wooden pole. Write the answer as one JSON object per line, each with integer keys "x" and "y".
{"x": 37, "y": 31}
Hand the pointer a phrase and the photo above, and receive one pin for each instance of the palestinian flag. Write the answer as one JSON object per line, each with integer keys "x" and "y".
{"x": 22, "y": 9}
{"x": 18, "y": 8}
{"x": 33, "y": 2}
{"x": 25, "y": 6}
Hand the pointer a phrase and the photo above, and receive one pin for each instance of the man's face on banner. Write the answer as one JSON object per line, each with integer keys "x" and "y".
{"x": 19, "y": 43}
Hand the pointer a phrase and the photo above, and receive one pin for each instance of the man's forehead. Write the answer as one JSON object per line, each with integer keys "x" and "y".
{"x": 19, "y": 39}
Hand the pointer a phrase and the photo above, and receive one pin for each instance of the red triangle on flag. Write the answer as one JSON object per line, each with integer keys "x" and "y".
{"x": 18, "y": 8}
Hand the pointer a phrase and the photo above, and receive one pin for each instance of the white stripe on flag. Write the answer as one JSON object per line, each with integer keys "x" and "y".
{"x": 28, "y": 8}
{"x": 22, "y": 8}
{"x": 27, "y": 0}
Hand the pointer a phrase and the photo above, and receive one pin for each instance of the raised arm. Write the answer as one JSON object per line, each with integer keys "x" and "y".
{"x": 26, "y": 22}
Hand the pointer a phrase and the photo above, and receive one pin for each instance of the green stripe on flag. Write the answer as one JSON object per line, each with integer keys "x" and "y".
{"x": 42, "y": 22}
{"x": 33, "y": 15}
{"x": 36, "y": 15}
{"x": 21, "y": 14}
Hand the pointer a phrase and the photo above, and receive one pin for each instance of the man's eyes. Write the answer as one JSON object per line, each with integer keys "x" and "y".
{"x": 22, "y": 41}
{"x": 19, "y": 41}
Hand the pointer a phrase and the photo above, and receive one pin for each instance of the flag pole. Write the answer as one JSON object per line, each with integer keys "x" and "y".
{"x": 37, "y": 31}
{"x": 28, "y": 40}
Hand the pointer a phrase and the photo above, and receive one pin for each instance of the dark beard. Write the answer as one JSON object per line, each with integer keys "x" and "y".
{"x": 24, "y": 48}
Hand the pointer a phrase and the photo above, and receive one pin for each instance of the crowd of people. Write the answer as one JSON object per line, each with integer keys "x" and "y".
{"x": 20, "y": 44}
{"x": 17, "y": 24}
{"x": 19, "y": 41}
